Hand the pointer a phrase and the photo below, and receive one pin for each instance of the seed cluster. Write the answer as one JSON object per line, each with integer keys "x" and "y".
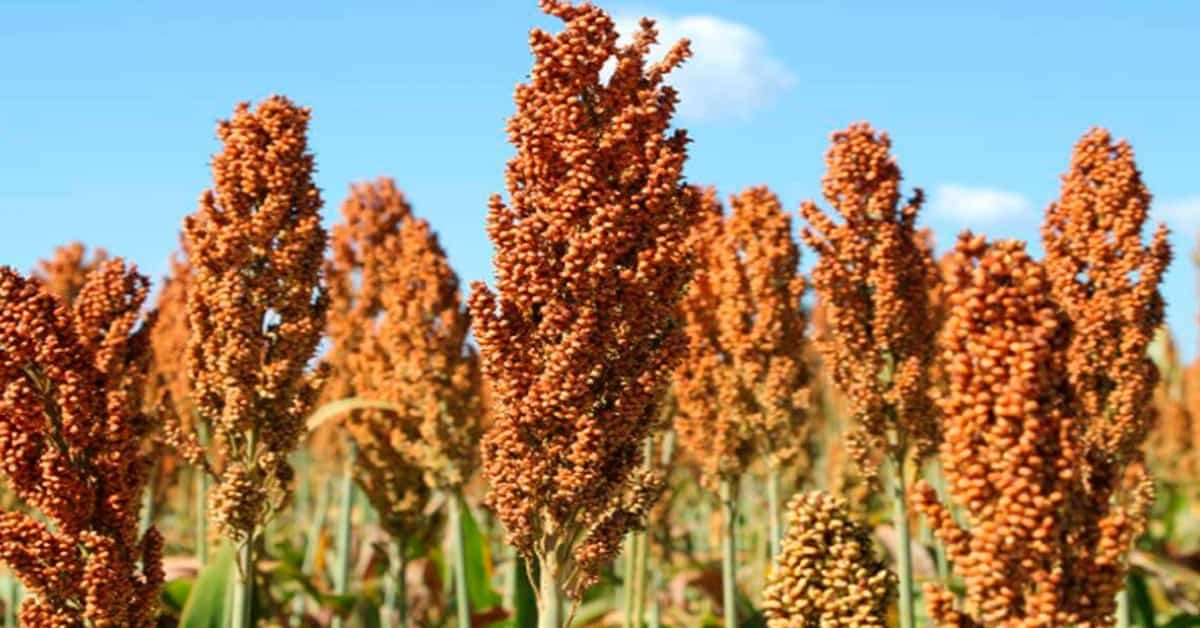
{"x": 1106, "y": 281}
{"x": 67, "y": 270}
{"x": 72, "y": 432}
{"x": 762, "y": 321}
{"x": 1009, "y": 452}
{"x": 712, "y": 415}
{"x": 874, "y": 275}
{"x": 1041, "y": 444}
{"x": 743, "y": 387}
{"x": 402, "y": 332}
{"x": 582, "y": 331}
{"x": 255, "y": 312}
{"x": 828, "y": 573}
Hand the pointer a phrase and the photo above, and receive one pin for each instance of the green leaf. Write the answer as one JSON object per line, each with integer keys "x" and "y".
{"x": 1183, "y": 621}
{"x": 175, "y": 593}
{"x": 479, "y": 563}
{"x": 205, "y": 607}
{"x": 524, "y": 602}
{"x": 1140, "y": 607}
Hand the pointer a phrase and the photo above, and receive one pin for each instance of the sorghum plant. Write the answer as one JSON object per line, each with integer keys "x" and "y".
{"x": 874, "y": 275}
{"x": 1009, "y": 452}
{"x": 712, "y": 411}
{"x": 828, "y": 573}
{"x": 583, "y": 329}
{"x": 404, "y": 332}
{"x": 64, "y": 274}
{"x": 1106, "y": 282}
{"x": 762, "y": 324}
{"x": 72, "y": 431}
{"x": 387, "y": 466}
{"x": 255, "y": 315}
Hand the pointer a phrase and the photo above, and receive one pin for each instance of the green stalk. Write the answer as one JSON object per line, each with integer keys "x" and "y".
{"x": 316, "y": 524}
{"x": 655, "y": 607}
{"x": 550, "y": 595}
{"x": 729, "y": 552}
{"x": 12, "y": 601}
{"x": 200, "y": 482}
{"x": 243, "y": 594}
{"x": 148, "y": 514}
{"x": 345, "y": 524}
{"x": 774, "y": 528}
{"x": 903, "y": 544}
{"x": 462, "y": 597}
{"x": 631, "y": 543}
{"x": 395, "y": 593}
{"x": 640, "y": 548}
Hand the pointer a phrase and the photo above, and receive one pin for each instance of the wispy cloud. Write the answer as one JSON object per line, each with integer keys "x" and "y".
{"x": 978, "y": 204}
{"x": 731, "y": 73}
{"x": 1182, "y": 215}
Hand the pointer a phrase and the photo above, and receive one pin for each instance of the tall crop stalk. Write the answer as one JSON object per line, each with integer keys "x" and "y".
{"x": 345, "y": 526}
{"x": 729, "y": 512}
{"x": 394, "y": 611}
{"x": 903, "y": 541}
{"x": 774, "y": 525}
{"x": 462, "y": 597}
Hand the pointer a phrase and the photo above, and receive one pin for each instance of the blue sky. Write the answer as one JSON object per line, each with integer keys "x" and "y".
{"x": 107, "y": 108}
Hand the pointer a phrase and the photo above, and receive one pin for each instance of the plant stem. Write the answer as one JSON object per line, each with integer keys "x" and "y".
{"x": 1123, "y": 608}
{"x": 640, "y": 547}
{"x": 550, "y": 607}
{"x": 312, "y": 537}
{"x": 774, "y": 528}
{"x": 462, "y": 597}
{"x": 394, "y": 613}
{"x": 729, "y": 552}
{"x": 903, "y": 543}
{"x": 200, "y": 485}
{"x": 345, "y": 524}
{"x": 655, "y": 608}
{"x": 243, "y": 594}
{"x": 631, "y": 543}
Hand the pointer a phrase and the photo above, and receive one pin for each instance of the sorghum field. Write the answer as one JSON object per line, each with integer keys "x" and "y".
{"x": 649, "y": 416}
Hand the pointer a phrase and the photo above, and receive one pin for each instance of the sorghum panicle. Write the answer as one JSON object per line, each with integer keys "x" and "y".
{"x": 65, "y": 273}
{"x": 762, "y": 321}
{"x": 712, "y": 415}
{"x": 874, "y": 275}
{"x": 1009, "y": 451}
{"x": 828, "y": 573}
{"x": 255, "y": 311}
{"x": 72, "y": 437}
{"x": 388, "y": 466}
{"x": 1106, "y": 282}
{"x": 430, "y": 370}
{"x": 583, "y": 330}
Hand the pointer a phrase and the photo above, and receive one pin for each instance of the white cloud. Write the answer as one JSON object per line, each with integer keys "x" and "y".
{"x": 731, "y": 72}
{"x": 1182, "y": 215}
{"x": 981, "y": 204}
